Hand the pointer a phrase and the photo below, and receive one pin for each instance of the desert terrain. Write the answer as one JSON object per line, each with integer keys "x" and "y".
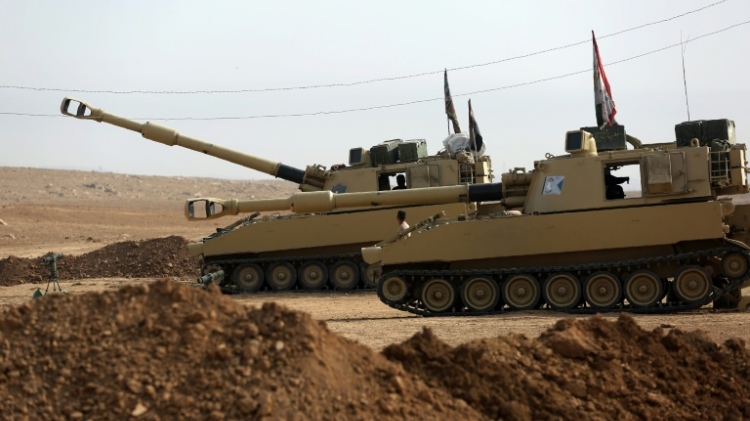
{"x": 79, "y": 211}
{"x": 75, "y": 212}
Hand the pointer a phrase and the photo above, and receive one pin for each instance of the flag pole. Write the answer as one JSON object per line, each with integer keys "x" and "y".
{"x": 683, "y": 47}
{"x": 472, "y": 133}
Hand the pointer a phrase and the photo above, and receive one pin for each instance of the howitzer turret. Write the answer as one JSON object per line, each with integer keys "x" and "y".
{"x": 368, "y": 169}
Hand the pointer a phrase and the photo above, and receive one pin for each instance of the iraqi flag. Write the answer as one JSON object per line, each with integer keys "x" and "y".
{"x": 605, "y": 105}
{"x": 450, "y": 110}
{"x": 475, "y": 136}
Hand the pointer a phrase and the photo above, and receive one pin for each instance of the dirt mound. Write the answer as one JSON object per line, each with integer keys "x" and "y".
{"x": 588, "y": 369}
{"x": 168, "y": 351}
{"x": 128, "y": 259}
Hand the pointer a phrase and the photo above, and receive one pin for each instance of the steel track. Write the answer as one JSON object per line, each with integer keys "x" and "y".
{"x": 416, "y": 307}
{"x": 230, "y": 288}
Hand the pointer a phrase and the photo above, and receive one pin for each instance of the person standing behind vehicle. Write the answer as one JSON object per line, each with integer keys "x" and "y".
{"x": 401, "y": 218}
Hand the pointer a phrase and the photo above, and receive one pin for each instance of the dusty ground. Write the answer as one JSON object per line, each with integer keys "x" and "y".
{"x": 51, "y": 210}
{"x": 360, "y": 316}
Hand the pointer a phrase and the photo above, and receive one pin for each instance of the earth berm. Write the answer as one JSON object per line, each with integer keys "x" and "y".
{"x": 156, "y": 257}
{"x": 168, "y": 351}
{"x": 588, "y": 369}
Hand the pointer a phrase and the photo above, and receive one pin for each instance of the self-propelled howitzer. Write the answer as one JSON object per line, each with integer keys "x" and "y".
{"x": 576, "y": 237}
{"x": 319, "y": 247}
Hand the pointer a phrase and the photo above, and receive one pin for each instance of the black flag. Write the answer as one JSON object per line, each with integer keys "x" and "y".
{"x": 474, "y": 134}
{"x": 450, "y": 111}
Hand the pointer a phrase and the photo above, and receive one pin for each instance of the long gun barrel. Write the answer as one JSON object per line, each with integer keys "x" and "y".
{"x": 326, "y": 201}
{"x": 171, "y": 137}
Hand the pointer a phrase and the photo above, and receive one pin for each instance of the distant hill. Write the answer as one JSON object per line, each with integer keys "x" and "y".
{"x": 39, "y": 185}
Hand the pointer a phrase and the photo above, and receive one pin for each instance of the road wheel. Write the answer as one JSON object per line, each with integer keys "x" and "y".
{"x": 480, "y": 294}
{"x": 312, "y": 275}
{"x": 438, "y": 295}
{"x": 643, "y": 288}
{"x": 734, "y": 265}
{"x": 344, "y": 275}
{"x": 369, "y": 274}
{"x": 394, "y": 290}
{"x": 562, "y": 291}
{"x": 248, "y": 277}
{"x": 521, "y": 292}
{"x": 602, "y": 290}
{"x": 281, "y": 276}
{"x": 692, "y": 284}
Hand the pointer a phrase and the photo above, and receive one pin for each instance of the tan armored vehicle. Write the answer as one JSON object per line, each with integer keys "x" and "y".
{"x": 320, "y": 249}
{"x": 572, "y": 238}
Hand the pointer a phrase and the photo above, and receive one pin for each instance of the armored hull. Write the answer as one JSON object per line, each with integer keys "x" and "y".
{"x": 562, "y": 262}
{"x": 309, "y": 252}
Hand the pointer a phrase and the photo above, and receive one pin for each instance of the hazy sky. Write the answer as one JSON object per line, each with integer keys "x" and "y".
{"x": 226, "y": 45}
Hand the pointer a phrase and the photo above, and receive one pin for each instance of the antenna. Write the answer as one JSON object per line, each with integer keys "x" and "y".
{"x": 683, "y": 47}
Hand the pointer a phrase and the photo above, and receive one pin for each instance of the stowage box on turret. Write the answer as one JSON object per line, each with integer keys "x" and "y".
{"x": 412, "y": 150}
{"x": 319, "y": 246}
{"x": 705, "y": 131}
{"x": 646, "y": 229}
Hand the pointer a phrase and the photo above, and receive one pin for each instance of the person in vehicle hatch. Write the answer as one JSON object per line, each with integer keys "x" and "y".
{"x": 612, "y": 187}
{"x": 401, "y": 181}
